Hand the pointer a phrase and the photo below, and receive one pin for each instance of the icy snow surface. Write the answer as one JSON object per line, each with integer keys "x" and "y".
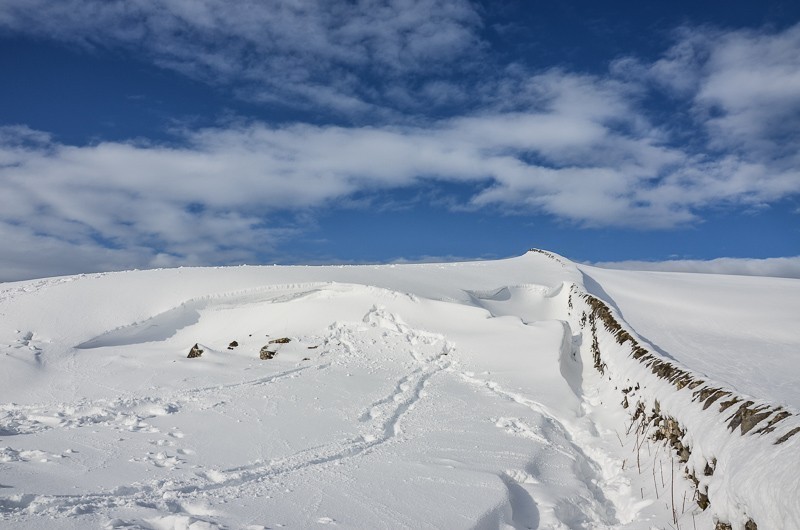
{"x": 408, "y": 396}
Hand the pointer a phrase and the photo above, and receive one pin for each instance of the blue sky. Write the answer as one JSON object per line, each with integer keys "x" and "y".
{"x": 204, "y": 132}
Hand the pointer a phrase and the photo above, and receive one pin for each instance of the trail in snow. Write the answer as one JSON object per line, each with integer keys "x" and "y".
{"x": 380, "y": 423}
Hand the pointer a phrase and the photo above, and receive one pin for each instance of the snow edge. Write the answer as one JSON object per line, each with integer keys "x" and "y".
{"x": 739, "y": 451}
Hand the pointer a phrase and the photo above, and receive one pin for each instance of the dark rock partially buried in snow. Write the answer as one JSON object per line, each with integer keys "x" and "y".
{"x": 749, "y": 525}
{"x": 232, "y": 345}
{"x": 196, "y": 351}
{"x": 283, "y": 340}
{"x": 266, "y": 353}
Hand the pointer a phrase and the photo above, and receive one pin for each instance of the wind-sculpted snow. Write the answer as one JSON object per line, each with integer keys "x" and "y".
{"x": 420, "y": 396}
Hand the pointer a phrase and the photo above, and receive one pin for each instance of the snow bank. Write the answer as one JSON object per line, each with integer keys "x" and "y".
{"x": 740, "y": 451}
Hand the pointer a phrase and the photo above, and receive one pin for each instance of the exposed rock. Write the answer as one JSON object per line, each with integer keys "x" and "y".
{"x": 749, "y": 525}
{"x": 599, "y": 365}
{"x": 232, "y": 345}
{"x": 709, "y": 395}
{"x": 709, "y": 469}
{"x": 748, "y": 416}
{"x": 196, "y": 351}
{"x": 702, "y": 500}
{"x": 787, "y": 435}
{"x": 549, "y": 255}
{"x": 770, "y": 426}
{"x": 266, "y": 353}
{"x": 282, "y": 340}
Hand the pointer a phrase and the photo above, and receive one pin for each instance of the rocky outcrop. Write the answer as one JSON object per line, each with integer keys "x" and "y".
{"x": 195, "y": 352}
{"x": 271, "y": 349}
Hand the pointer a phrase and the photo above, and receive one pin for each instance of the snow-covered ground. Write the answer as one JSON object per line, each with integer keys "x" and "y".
{"x": 407, "y": 396}
{"x": 741, "y": 331}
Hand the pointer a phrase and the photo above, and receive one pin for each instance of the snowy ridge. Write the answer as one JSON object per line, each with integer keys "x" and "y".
{"x": 420, "y": 396}
{"x": 740, "y": 451}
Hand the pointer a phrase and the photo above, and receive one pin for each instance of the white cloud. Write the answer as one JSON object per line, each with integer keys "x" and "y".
{"x": 227, "y": 194}
{"x": 778, "y": 267}
{"x": 582, "y": 148}
{"x": 27, "y": 254}
{"x": 562, "y": 160}
{"x": 744, "y": 85}
{"x": 754, "y": 80}
{"x": 296, "y": 53}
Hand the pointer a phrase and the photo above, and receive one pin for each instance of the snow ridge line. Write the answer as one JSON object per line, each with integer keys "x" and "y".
{"x": 552, "y": 255}
{"x": 296, "y": 290}
{"x": 675, "y": 404}
{"x": 748, "y": 415}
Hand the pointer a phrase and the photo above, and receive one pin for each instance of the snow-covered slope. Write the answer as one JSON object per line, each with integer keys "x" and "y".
{"x": 409, "y": 396}
{"x": 743, "y": 331}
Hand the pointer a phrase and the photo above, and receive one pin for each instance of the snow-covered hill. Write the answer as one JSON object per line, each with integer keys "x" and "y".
{"x": 466, "y": 395}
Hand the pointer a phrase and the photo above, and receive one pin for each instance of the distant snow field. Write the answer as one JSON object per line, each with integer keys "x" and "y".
{"x": 400, "y": 396}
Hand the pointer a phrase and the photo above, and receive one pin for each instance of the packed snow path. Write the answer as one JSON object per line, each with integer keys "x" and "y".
{"x": 434, "y": 396}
